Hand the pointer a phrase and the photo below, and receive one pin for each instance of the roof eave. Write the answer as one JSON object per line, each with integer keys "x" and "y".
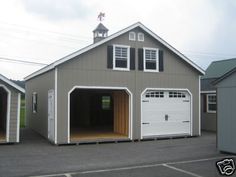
{"x": 12, "y": 84}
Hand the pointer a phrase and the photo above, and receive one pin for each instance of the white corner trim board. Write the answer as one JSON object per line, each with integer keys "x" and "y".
{"x": 106, "y": 88}
{"x": 199, "y": 104}
{"x": 55, "y": 106}
{"x": 18, "y": 118}
{"x": 85, "y": 49}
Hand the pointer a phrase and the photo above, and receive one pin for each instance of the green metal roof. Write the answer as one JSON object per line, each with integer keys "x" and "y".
{"x": 218, "y": 68}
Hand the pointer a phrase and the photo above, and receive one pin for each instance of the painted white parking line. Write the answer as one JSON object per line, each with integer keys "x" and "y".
{"x": 181, "y": 170}
{"x": 200, "y": 160}
{"x": 120, "y": 169}
{"x": 68, "y": 175}
{"x": 136, "y": 167}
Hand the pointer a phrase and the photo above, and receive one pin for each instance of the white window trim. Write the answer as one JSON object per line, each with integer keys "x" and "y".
{"x": 130, "y": 34}
{"x": 157, "y": 60}
{"x": 128, "y": 58}
{"x": 34, "y": 111}
{"x": 139, "y": 37}
{"x": 207, "y": 103}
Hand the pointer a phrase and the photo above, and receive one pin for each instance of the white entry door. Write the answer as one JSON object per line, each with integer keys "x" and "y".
{"x": 166, "y": 113}
{"x": 51, "y": 115}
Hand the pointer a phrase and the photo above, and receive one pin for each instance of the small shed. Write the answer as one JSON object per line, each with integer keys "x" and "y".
{"x": 10, "y": 98}
{"x": 226, "y": 112}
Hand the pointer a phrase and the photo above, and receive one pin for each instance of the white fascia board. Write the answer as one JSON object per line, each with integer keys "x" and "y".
{"x": 83, "y": 50}
{"x": 3, "y": 78}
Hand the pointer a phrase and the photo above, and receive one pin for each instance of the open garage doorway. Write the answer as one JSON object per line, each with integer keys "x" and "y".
{"x": 99, "y": 114}
{"x": 3, "y": 114}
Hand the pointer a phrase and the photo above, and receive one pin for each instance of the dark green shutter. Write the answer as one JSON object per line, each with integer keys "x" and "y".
{"x": 161, "y": 61}
{"x": 204, "y": 103}
{"x": 110, "y": 57}
{"x": 132, "y": 58}
{"x": 140, "y": 59}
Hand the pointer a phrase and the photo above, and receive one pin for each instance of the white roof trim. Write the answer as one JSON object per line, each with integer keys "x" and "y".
{"x": 3, "y": 78}
{"x": 68, "y": 57}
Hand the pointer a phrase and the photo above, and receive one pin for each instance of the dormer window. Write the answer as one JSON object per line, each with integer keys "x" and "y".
{"x": 140, "y": 37}
{"x": 121, "y": 57}
{"x": 132, "y": 36}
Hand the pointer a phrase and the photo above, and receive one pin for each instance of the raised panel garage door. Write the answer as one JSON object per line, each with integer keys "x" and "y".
{"x": 166, "y": 113}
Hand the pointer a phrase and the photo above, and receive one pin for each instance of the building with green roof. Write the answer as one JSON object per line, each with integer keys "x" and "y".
{"x": 208, "y": 91}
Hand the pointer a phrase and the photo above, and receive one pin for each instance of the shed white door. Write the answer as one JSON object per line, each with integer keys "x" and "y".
{"x": 51, "y": 115}
{"x": 166, "y": 113}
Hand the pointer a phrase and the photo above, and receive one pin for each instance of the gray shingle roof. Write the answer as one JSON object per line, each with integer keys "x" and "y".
{"x": 100, "y": 27}
{"x": 219, "y": 68}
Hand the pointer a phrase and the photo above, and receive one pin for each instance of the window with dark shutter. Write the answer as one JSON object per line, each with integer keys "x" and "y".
{"x": 132, "y": 58}
{"x": 110, "y": 57}
{"x": 161, "y": 61}
{"x": 151, "y": 59}
{"x": 121, "y": 60}
{"x": 140, "y": 59}
{"x": 204, "y": 103}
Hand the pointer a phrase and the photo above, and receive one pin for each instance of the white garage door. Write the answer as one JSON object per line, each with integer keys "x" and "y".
{"x": 166, "y": 113}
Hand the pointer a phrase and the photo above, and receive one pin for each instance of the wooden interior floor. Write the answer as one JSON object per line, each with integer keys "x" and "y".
{"x": 96, "y": 135}
{"x": 2, "y": 136}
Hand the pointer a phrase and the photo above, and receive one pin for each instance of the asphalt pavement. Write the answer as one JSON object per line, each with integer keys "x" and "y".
{"x": 35, "y": 156}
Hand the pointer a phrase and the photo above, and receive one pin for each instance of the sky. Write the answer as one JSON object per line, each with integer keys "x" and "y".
{"x": 43, "y": 31}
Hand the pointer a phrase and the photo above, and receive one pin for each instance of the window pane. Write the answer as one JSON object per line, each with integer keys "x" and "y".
{"x": 121, "y": 57}
{"x": 140, "y": 36}
{"x": 121, "y": 52}
{"x": 121, "y": 63}
{"x": 150, "y": 65}
{"x": 150, "y": 54}
{"x": 212, "y": 107}
{"x": 132, "y": 36}
{"x": 212, "y": 98}
{"x": 106, "y": 102}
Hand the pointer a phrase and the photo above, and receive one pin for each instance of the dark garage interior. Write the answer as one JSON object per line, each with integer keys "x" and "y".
{"x": 3, "y": 113}
{"x": 97, "y": 114}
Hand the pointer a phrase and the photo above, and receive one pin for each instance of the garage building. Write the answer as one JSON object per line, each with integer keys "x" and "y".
{"x": 130, "y": 85}
{"x": 10, "y": 98}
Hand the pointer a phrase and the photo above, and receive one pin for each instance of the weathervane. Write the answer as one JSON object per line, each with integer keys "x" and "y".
{"x": 101, "y": 16}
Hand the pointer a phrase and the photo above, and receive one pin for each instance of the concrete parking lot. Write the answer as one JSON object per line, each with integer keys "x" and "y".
{"x": 34, "y": 156}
